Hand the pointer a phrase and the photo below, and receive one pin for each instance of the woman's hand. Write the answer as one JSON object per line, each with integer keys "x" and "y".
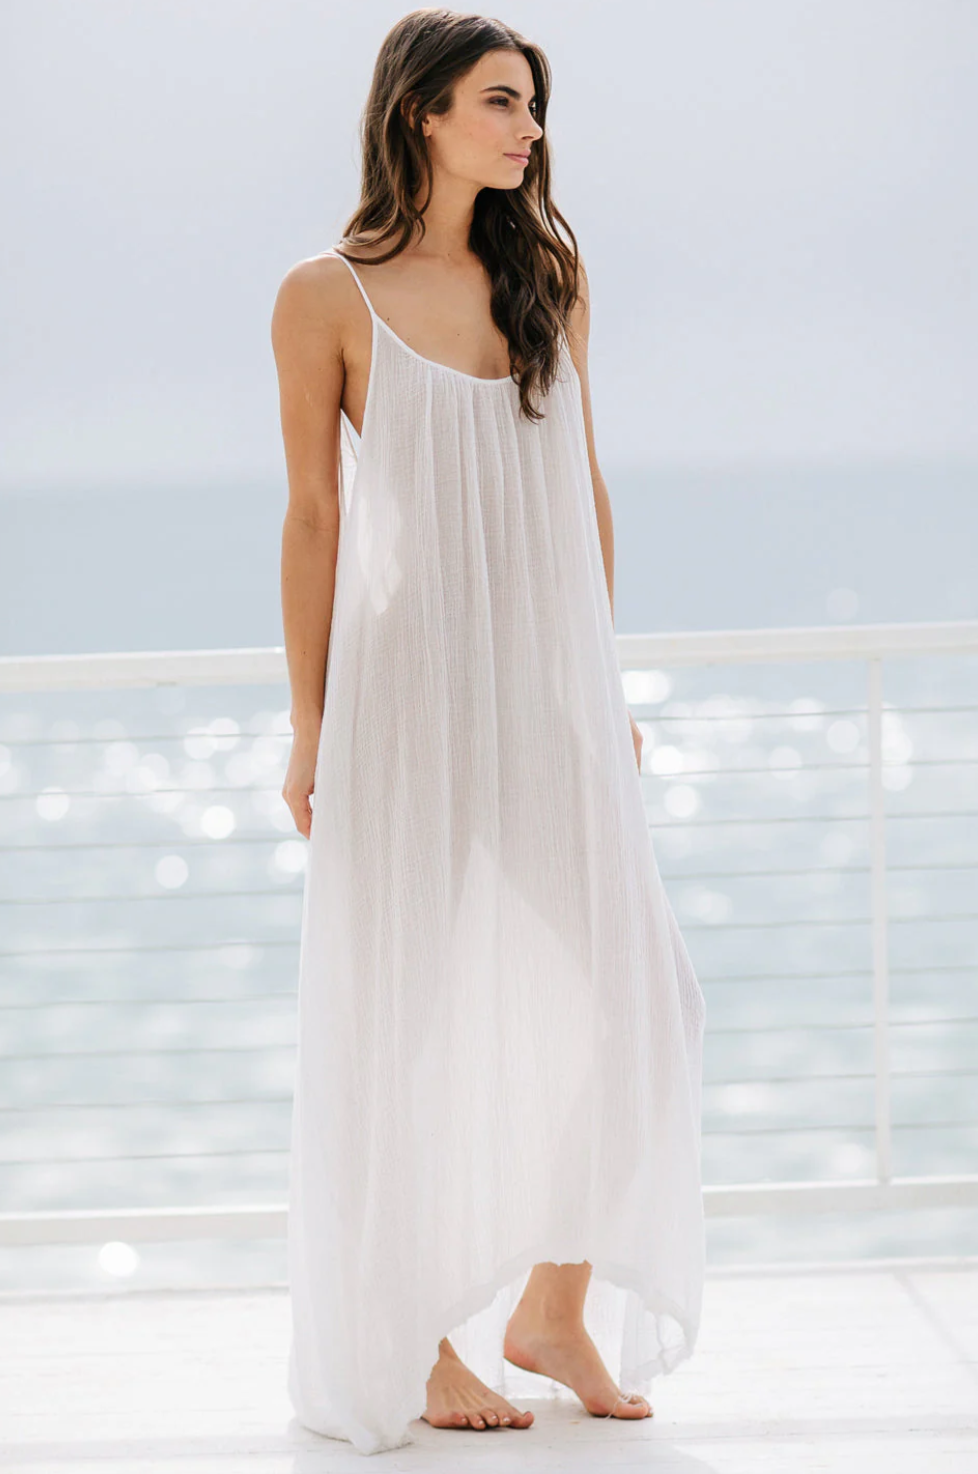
{"x": 300, "y": 776}
{"x": 636, "y": 740}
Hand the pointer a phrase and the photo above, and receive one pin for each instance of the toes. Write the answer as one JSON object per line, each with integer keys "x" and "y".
{"x": 513, "y": 1418}
{"x": 502, "y": 1414}
{"x": 481, "y": 1418}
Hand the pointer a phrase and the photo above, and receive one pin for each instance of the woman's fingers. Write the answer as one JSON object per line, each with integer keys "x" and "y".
{"x": 300, "y": 779}
{"x": 636, "y": 740}
{"x": 297, "y": 795}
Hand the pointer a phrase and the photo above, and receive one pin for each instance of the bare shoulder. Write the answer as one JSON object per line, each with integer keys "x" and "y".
{"x": 312, "y": 300}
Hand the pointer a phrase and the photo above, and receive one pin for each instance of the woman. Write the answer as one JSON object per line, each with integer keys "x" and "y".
{"x": 498, "y": 1074}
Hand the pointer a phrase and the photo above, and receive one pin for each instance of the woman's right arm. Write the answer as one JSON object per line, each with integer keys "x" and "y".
{"x": 307, "y": 343}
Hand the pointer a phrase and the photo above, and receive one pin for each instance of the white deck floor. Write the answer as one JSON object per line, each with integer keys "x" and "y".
{"x": 840, "y": 1369}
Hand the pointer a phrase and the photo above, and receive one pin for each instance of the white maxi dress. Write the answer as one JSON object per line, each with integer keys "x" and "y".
{"x": 500, "y": 1031}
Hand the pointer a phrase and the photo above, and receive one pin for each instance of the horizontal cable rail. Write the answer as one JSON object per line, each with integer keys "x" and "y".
{"x": 737, "y": 713}
{"x": 122, "y": 896}
{"x": 141, "y": 949}
{"x": 205, "y": 1102}
{"x": 751, "y": 1031}
{"x": 186, "y": 842}
{"x": 119, "y": 1000}
{"x": 792, "y": 771}
{"x": 280, "y": 890}
{"x": 241, "y": 791}
{"x": 841, "y": 1128}
{"x": 231, "y": 1152}
{"x": 790, "y": 923}
{"x": 207, "y": 842}
{"x": 715, "y": 980}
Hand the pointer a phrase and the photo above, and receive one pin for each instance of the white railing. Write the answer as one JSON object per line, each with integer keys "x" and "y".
{"x": 870, "y": 645}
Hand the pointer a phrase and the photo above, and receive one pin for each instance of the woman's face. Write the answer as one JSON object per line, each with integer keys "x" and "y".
{"x": 487, "y": 134}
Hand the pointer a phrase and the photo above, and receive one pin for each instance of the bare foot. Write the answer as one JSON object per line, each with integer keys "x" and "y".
{"x": 457, "y": 1399}
{"x": 561, "y": 1348}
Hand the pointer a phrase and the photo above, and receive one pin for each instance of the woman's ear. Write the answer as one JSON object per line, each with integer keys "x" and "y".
{"x": 409, "y": 111}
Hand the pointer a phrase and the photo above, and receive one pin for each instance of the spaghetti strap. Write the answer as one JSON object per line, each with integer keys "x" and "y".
{"x": 356, "y": 278}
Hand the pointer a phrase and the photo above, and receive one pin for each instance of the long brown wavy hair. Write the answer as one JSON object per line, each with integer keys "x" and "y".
{"x": 515, "y": 232}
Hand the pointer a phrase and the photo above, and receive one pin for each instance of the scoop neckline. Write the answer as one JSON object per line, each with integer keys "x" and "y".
{"x": 433, "y": 362}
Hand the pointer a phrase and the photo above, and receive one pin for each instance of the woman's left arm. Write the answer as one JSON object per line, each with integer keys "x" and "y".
{"x": 579, "y": 331}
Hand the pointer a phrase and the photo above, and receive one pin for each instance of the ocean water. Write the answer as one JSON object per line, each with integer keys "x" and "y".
{"x": 177, "y": 568}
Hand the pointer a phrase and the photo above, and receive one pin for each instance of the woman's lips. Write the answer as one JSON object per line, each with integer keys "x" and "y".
{"x": 520, "y": 158}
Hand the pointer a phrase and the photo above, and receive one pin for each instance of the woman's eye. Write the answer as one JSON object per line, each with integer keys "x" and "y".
{"x": 505, "y": 103}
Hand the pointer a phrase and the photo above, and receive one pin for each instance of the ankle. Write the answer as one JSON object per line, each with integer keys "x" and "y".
{"x": 555, "y": 1314}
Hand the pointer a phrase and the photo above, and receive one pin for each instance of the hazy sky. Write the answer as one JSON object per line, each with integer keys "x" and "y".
{"x": 775, "y": 200}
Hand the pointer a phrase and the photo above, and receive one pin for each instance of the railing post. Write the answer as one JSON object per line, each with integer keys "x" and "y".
{"x": 878, "y": 912}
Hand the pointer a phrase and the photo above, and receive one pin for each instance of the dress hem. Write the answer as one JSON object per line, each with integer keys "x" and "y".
{"x": 480, "y": 1297}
